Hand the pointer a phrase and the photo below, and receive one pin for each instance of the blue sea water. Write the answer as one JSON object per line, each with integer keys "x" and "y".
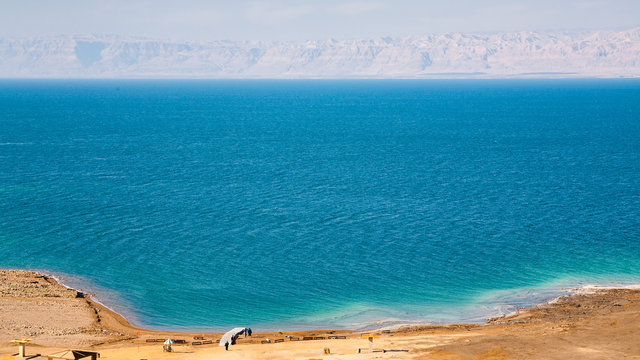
{"x": 307, "y": 204}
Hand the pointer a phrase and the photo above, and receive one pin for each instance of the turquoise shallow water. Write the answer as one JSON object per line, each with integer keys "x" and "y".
{"x": 302, "y": 204}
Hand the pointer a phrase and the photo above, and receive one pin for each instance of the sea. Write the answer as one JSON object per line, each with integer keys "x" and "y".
{"x": 307, "y": 204}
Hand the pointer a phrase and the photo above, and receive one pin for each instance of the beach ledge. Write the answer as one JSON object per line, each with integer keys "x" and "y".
{"x": 597, "y": 324}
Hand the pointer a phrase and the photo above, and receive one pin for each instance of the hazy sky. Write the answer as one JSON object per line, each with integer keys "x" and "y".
{"x": 296, "y": 20}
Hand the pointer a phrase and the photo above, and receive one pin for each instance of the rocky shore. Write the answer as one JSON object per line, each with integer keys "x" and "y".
{"x": 35, "y": 306}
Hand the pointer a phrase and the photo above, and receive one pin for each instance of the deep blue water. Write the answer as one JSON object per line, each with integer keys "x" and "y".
{"x": 208, "y": 204}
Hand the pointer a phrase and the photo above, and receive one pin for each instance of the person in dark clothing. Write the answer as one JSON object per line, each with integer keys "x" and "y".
{"x": 233, "y": 340}
{"x": 249, "y": 331}
{"x": 226, "y": 346}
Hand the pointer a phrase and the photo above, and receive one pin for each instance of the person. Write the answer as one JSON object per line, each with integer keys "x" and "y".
{"x": 226, "y": 346}
{"x": 249, "y": 331}
{"x": 245, "y": 332}
{"x": 233, "y": 340}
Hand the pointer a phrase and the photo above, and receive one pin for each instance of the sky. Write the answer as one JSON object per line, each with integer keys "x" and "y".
{"x": 287, "y": 20}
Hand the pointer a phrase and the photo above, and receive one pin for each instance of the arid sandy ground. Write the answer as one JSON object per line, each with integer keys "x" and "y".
{"x": 604, "y": 324}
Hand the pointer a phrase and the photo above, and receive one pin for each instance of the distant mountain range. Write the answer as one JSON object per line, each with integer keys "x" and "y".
{"x": 454, "y": 55}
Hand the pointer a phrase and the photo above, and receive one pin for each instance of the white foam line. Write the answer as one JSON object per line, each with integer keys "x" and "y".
{"x": 588, "y": 289}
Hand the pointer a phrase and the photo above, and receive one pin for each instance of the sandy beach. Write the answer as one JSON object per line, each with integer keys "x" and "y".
{"x": 598, "y": 324}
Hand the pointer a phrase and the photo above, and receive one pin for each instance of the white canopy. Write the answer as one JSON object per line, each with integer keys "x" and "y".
{"x": 231, "y": 333}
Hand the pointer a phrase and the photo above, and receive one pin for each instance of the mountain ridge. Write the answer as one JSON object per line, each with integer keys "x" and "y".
{"x": 602, "y": 53}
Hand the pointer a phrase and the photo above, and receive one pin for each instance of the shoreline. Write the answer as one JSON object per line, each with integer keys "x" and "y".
{"x": 596, "y": 321}
{"x": 556, "y": 292}
{"x": 90, "y": 295}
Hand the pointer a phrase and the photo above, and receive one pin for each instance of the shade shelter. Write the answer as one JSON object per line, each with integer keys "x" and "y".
{"x": 167, "y": 345}
{"x": 22, "y": 345}
{"x": 74, "y": 355}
